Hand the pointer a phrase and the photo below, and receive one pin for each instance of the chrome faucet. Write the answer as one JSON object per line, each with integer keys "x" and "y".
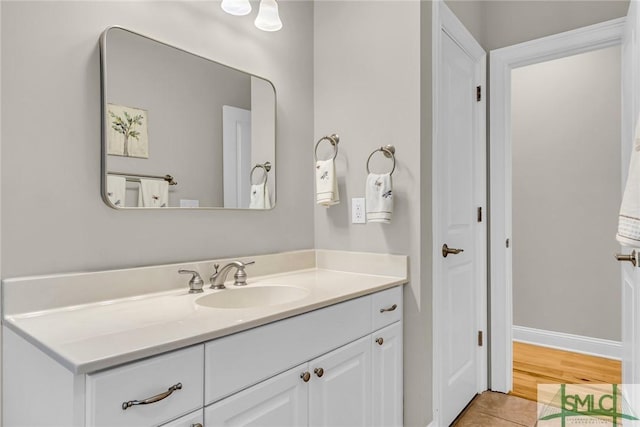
{"x": 218, "y": 278}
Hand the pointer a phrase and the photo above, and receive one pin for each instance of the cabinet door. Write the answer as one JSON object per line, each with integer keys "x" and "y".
{"x": 280, "y": 401}
{"x": 340, "y": 387}
{"x": 386, "y": 354}
{"x": 194, "y": 419}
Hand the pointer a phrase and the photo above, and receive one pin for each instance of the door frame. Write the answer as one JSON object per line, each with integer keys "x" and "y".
{"x": 502, "y": 61}
{"x": 444, "y": 20}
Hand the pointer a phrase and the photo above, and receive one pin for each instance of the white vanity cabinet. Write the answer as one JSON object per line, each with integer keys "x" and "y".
{"x": 356, "y": 384}
{"x": 279, "y": 401}
{"x": 386, "y": 375}
{"x": 334, "y": 366}
{"x": 340, "y": 390}
{"x": 194, "y": 419}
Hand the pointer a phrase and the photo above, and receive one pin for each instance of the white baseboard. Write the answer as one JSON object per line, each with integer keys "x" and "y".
{"x": 569, "y": 342}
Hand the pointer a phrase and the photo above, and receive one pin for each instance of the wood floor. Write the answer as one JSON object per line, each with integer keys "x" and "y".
{"x": 533, "y": 365}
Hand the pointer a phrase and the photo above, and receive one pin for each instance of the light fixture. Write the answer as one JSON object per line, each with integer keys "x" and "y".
{"x": 236, "y": 7}
{"x": 268, "y": 18}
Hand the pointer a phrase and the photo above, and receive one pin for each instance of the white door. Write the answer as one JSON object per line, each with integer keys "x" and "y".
{"x": 459, "y": 185}
{"x": 236, "y": 156}
{"x": 386, "y": 354}
{"x": 340, "y": 387}
{"x": 630, "y": 275}
{"x": 280, "y": 401}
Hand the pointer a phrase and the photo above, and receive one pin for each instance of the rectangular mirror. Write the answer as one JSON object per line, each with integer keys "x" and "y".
{"x": 183, "y": 131}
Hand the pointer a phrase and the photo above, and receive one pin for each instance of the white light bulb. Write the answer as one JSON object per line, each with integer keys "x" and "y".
{"x": 268, "y": 18}
{"x": 236, "y": 7}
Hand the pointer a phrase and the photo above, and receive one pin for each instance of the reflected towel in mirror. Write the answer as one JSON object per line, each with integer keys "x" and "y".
{"x": 260, "y": 197}
{"x": 116, "y": 190}
{"x": 153, "y": 193}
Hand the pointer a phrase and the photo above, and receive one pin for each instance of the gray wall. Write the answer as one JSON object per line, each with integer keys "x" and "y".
{"x": 499, "y": 23}
{"x": 183, "y": 95}
{"x": 53, "y": 218}
{"x": 367, "y": 89}
{"x": 511, "y": 22}
{"x": 566, "y": 194}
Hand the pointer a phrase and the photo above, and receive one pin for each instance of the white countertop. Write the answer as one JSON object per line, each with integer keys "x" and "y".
{"x": 98, "y": 335}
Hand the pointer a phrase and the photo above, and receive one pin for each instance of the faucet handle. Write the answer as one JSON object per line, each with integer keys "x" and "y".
{"x": 241, "y": 276}
{"x": 195, "y": 283}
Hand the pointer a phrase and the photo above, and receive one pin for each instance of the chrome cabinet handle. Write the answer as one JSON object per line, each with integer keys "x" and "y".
{"x": 153, "y": 399}
{"x": 380, "y": 341}
{"x": 306, "y": 376}
{"x": 446, "y": 250}
{"x": 392, "y": 308}
{"x": 631, "y": 257}
{"x": 319, "y": 372}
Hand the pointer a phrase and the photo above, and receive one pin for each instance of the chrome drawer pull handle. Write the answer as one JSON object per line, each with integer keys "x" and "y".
{"x": 392, "y": 308}
{"x": 153, "y": 399}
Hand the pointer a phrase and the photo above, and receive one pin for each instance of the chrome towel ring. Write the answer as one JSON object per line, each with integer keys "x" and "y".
{"x": 389, "y": 152}
{"x": 266, "y": 166}
{"x": 333, "y": 140}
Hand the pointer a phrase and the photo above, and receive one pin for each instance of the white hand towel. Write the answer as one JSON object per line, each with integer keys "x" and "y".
{"x": 153, "y": 193}
{"x": 116, "y": 189}
{"x": 326, "y": 183}
{"x": 260, "y": 197}
{"x": 629, "y": 218}
{"x": 379, "y": 198}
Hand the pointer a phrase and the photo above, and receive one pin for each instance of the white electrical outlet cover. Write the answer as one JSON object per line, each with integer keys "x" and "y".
{"x": 358, "y": 213}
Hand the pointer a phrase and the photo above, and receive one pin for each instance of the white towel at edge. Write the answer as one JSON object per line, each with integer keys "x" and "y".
{"x": 379, "y": 198}
{"x": 153, "y": 193}
{"x": 629, "y": 218}
{"x": 260, "y": 197}
{"x": 326, "y": 183}
{"x": 116, "y": 189}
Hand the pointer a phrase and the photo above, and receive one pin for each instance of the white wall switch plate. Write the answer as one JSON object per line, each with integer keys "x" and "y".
{"x": 358, "y": 214}
{"x": 186, "y": 203}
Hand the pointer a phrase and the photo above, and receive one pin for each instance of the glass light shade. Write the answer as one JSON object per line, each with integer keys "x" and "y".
{"x": 236, "y": 7}
{"x": 268, "y": 18}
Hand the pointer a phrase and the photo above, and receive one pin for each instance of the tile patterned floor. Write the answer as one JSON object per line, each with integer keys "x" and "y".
{"x": 491, "y": 409}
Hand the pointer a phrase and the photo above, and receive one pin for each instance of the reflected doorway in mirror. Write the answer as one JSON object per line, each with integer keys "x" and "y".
{"x": 127, "y": 135}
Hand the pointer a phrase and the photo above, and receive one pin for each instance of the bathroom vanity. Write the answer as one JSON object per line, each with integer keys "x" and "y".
{"x": 103, "y": 349}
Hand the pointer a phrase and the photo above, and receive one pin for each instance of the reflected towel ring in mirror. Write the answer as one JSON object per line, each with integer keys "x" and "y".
{"x": 333, "y": 140}
{"x": 389, "y": 152}
{"x": 266, "y": 166}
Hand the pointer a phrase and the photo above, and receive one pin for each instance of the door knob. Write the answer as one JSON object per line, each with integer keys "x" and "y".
{"x": 631, "y": 257}
{"x": 306, "y": 376}
{"x": 319, "y": 372}
{"x": 446, "y": 250}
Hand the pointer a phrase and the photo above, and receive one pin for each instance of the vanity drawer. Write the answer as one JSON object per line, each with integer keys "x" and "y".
{"x": 154, "y": 377}
{"x": 387, "y": 307}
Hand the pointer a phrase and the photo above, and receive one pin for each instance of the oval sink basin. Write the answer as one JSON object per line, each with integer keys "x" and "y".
{"x": 252, "y": 297}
